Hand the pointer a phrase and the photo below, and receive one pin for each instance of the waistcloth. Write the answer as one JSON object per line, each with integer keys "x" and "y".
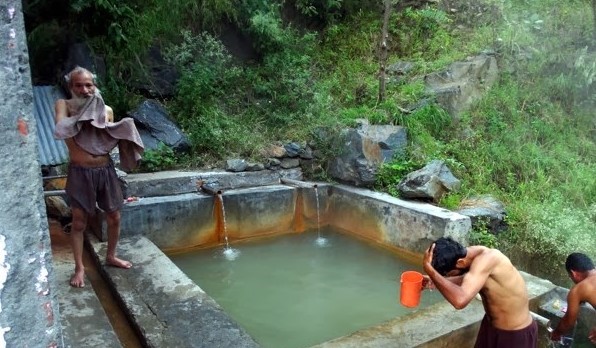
{"x": 86, "y": 186}
{"x": 491, "y": 337}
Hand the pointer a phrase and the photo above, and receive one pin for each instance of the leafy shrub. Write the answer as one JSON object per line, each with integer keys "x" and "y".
{"x": 161, "y": 158}
{"x": 422, "y": 30}
{"x": 555, "y": 228}
{"x": 391, "y": 173}
{"x": 481, "y": 236}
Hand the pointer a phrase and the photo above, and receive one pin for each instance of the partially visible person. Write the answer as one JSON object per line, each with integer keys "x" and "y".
{"x": 461, "y": 273}
{"x": 87, "y": 126}
{"x": 582, "y": 272}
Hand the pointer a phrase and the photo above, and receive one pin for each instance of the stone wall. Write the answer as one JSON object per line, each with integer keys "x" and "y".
{"x": 29, "y": 315}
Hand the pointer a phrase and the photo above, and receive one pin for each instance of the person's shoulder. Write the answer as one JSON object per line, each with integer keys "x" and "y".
{"x": 586, "y": 286}
{"x": 109, "y": 113}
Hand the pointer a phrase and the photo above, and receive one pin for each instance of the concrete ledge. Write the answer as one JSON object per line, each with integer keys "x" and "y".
{"x": 426, "y": 328}
{"x": 392, "y": 221}
{"x": 167, "y": 308}
{"x": 82, "y": 317}
{"x": 175, "y": 182}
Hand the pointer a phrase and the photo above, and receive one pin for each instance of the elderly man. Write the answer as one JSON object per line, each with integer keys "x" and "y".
{"x": 460, "y": 273}
{"x": 86, "y": 125}
{"x": 582, "y": 272}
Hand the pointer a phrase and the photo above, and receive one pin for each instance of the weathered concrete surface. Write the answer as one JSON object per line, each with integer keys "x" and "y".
{"x": 166, "y": 306}
{"x": 424, "y": 328}
{"x": 259, "y": 211}
{"x": 195, "y": 219}
{"x": 29, "y": 315}
{"x": 551, "y": 304}
{"x": 439, "y": 325}
{"x": 83, "y": 319}
{"x": 171, "y": 222}
{"x": 175, "y": 182}
{"x": 386, "y": 219}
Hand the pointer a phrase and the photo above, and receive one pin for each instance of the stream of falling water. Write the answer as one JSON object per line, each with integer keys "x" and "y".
{"x": 321, "y": 242}
{"x": 228, "y": 252}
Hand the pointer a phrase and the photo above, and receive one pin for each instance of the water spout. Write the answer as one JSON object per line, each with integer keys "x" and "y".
{"x": 201, "y": 186}
{"x": 320, "y": 240}
{"x": 228, "y": 252}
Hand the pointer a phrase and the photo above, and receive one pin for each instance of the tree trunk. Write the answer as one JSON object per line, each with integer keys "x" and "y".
{"x": 383, "y": 50}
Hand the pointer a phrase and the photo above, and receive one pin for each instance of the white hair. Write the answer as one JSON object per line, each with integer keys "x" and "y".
{"x": 77, "y": 71}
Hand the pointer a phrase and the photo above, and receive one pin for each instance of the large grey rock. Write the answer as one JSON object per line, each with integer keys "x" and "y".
{"x": 155, "y": 126}
{"x": 485, "y": 212}
{"x": 463, "y": 82}
{"x": 159, "y": 78}
{"x": 236, "y": 165}
{"x": 365, "y": 149}
{"x": 431, "y": 182}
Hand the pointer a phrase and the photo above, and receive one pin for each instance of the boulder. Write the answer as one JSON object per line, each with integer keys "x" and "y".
{"x": 429, "y": 183}
{"x": 485, "y": 212}
{"x": 154, "y": 125}
{"x": 462, "y": 82}
{"x": 160, "y": 78}
{"x": 366, "y": 148}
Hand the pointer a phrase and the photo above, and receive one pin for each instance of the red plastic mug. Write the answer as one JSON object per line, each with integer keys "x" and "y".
{"x": 410, "y": 289}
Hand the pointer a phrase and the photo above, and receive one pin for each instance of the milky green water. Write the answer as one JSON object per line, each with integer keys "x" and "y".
{"x": 288, "y": 292}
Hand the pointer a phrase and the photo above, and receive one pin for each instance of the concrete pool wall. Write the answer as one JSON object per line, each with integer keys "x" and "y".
{"x": 165, "y": 305}
{"x": 193, "y": 219}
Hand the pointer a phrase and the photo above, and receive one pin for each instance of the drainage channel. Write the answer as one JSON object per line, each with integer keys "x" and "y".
{"x": 118, "y": 319}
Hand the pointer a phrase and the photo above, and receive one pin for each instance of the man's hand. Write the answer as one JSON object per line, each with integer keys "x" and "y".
{"x": 428, "y": 258}
{"x": 592, "y": 335}
{"x": 427, "y": 283}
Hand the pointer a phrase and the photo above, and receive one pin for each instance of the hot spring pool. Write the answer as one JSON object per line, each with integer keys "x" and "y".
{"x": 292, "y": 291}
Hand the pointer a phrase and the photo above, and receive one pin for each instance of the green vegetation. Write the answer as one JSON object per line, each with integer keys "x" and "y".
{"x": 530, "y": 141}
{"x": 161, "y": 158}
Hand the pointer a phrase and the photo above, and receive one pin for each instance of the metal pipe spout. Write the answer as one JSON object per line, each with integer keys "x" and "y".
{"x": 201, "y": 186}
{"x": 541, "y": 320}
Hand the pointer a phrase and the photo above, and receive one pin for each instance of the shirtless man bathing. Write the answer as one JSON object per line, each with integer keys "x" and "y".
{"x": 460, "y": 273}
{"x": 582, "y": 272}
{"x": 91, "y": 178}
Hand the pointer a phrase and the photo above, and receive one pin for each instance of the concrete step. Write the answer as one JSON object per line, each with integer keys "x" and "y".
{"x": 82, "y": 317}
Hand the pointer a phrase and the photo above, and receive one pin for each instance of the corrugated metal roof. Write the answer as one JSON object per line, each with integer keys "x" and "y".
{"x": 51, "y": 151}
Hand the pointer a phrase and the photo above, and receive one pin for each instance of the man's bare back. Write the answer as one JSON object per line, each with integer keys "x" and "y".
{"x": 582, "y": 272}
{"x": 504, "y": 294}
{"x": 489, "y": 273}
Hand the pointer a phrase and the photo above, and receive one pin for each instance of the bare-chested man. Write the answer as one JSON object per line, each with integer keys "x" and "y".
{"x": 460, "y": 273}
{"x": 90, "y": 179}
{"x": 582, "y": 272}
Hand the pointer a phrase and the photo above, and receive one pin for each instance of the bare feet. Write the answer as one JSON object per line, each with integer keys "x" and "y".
{"x": 78, "y": 279}
{"x": 116, "y": 262}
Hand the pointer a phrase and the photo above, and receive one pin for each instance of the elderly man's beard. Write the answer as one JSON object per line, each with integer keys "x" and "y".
{"x": 79, "y": 100}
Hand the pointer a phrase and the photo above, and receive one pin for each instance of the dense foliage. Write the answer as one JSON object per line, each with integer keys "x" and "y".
{"x": 530, "y": 141}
